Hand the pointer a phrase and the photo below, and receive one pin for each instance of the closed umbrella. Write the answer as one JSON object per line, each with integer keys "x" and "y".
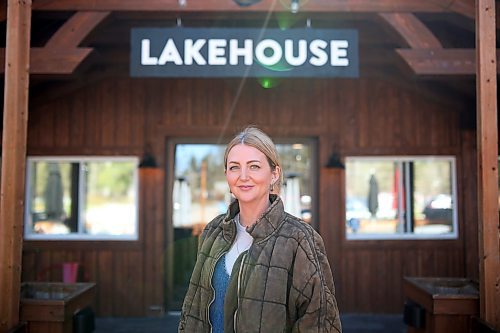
{"x": 373, "y": 195}
{"x": 53, "y": 193}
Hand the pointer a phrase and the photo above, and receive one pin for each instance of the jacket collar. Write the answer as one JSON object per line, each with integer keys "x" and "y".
{"x": 267, "y": 223}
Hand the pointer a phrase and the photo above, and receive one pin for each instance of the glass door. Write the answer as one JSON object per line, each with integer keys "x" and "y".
{"x": 200, "y": 193}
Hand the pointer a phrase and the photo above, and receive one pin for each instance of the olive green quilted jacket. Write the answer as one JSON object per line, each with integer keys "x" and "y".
{"x": 283, "y": 283}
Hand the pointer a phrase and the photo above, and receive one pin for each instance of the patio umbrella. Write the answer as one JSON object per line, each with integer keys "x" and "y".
{"x": 373, "y": 195}
{"x": 53, "y": 193}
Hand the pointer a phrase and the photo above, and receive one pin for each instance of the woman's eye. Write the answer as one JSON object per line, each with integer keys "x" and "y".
{"x": 254, "y": 167}
{"x": 234, "y": 167}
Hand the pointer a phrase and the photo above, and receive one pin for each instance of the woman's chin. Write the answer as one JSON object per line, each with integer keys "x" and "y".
{"x": 248, "y": 198}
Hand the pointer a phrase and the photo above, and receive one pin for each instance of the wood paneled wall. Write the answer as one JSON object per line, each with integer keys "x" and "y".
{"x": 117, "y": 116}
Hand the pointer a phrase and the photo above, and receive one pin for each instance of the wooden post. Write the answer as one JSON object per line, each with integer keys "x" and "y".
{"x": 487, "y": 143}
{"x": 15, "y": 120}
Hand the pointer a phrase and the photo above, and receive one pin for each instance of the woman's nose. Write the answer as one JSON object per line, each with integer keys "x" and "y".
{"x": 244, "y": 173}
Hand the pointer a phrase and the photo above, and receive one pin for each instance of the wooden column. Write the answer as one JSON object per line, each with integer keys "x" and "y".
{"x": 487, "y": 143}
{"x": 15, "y": 120}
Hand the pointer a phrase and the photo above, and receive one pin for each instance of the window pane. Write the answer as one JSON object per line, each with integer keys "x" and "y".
{"x": 50, "y": 204}
{"x": 433, "y": 204}
{"x": 297, "y": 185}
{"x": 201, "y": 192}
{"x": 400, "y": 197}
{"x": 372, "y": 196}
{"x": 109, "y": 198}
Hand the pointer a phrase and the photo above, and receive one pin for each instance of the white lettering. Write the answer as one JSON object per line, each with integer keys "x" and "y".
{"x": 146, "y": 58}
{"x": 216, "y": 51}
{"x": 261, "y": 55}
{"x": 245, "y": 52}
{"x": 339, "y": 53}
{"x": 267, "y": 52}
{"x": 192, "y": 52}
{"x": 317, "y": 48}
{"x": 170, "y": 54}
{"x": 289, "y": 54}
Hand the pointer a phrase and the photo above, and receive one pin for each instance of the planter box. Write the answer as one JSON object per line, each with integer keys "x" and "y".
{"x": 50, "y": 306}
{"x": 440, "y": 304}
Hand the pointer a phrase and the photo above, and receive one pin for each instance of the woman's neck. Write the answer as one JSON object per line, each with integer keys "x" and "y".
{"x": 250, "y": 212}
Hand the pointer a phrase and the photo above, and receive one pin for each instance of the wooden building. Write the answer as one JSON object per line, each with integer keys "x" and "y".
{"x": 415, "y": 96}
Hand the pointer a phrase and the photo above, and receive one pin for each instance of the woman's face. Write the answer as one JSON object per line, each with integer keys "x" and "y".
{"x": 249, "y": 174}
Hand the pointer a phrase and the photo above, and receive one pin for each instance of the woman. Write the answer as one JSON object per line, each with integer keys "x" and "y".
{"x": 259, "y": 269}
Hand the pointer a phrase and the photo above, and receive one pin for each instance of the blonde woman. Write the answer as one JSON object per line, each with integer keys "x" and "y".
{"x": 259, "y": 269}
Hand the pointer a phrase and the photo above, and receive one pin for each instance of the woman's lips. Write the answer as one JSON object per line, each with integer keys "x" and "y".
{"x": 245, "y": 187}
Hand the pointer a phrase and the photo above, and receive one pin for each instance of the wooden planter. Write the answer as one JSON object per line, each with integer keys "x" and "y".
{"x": 440, "y": 304}
{"x": 50, "y": 306}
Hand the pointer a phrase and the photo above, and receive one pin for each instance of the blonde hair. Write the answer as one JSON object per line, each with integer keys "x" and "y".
{"x": 256, "y": 138}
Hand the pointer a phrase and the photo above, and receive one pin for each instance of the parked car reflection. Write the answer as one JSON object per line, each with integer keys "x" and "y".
{"x": 439, "y": 209}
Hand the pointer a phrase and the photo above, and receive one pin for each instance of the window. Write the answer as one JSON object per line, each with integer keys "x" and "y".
{"x": 201, "y": 192}
{"x": 81, "y": 198}
{"x": 400, "y": 197}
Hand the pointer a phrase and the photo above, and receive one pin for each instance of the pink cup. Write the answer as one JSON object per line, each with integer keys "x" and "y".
{"x": 70, "y": 272}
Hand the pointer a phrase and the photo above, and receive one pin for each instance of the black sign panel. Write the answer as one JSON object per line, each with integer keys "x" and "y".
{"x": 227, "y": 52}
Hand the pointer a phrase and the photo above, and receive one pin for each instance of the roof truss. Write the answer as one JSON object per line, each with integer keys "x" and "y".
{"x": 61, "y": 54}
{"x": 426, "y": 56}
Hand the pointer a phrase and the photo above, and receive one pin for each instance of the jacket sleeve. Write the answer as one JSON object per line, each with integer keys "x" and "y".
{"x": 313, "y": 288}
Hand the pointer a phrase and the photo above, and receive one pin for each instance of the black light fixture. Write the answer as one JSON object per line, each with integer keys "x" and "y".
{"x": 148, "y": 160}
{"x": 335, "y": 162}
{"x": 246, "y": 3}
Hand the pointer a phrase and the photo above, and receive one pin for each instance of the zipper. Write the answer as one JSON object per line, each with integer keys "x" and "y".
{"x": 212, "y": 270}
{"x": 240, "y": 273}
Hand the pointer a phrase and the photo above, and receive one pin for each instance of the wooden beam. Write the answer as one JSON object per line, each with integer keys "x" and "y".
{"x": 487, "y": 149}
{"x": 73, "y": 31}
{"x": 231, "y": 6}
{"x": 61, "y": 54}
{"x": 15, "y": 123}
{"x": 440, "y": 61}
{"x": 49, "y": 61}
{"x": 464, "y": 7}
{"x": 3, "y": 11}
{"x": 413, "y": 31}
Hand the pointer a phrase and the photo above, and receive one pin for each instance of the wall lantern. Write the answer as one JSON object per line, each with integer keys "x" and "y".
{"x": 334, "y": 162}
{"x": 294, "y": 6}
{"x": 148, "y": 160}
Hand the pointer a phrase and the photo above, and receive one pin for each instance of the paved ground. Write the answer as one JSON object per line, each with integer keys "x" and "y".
{"x": 352, "y": 323}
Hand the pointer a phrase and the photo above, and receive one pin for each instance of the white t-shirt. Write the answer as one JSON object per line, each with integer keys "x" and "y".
{"x": 242, "y": 243}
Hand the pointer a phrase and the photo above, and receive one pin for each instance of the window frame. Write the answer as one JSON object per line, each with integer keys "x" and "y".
{"x": 314, "y": 174}
{"x": 78, "y": 236}
{"x": 454, "y": 235}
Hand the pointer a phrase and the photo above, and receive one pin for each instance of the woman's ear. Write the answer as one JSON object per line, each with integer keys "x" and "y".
{"x": 276, "y": 173}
